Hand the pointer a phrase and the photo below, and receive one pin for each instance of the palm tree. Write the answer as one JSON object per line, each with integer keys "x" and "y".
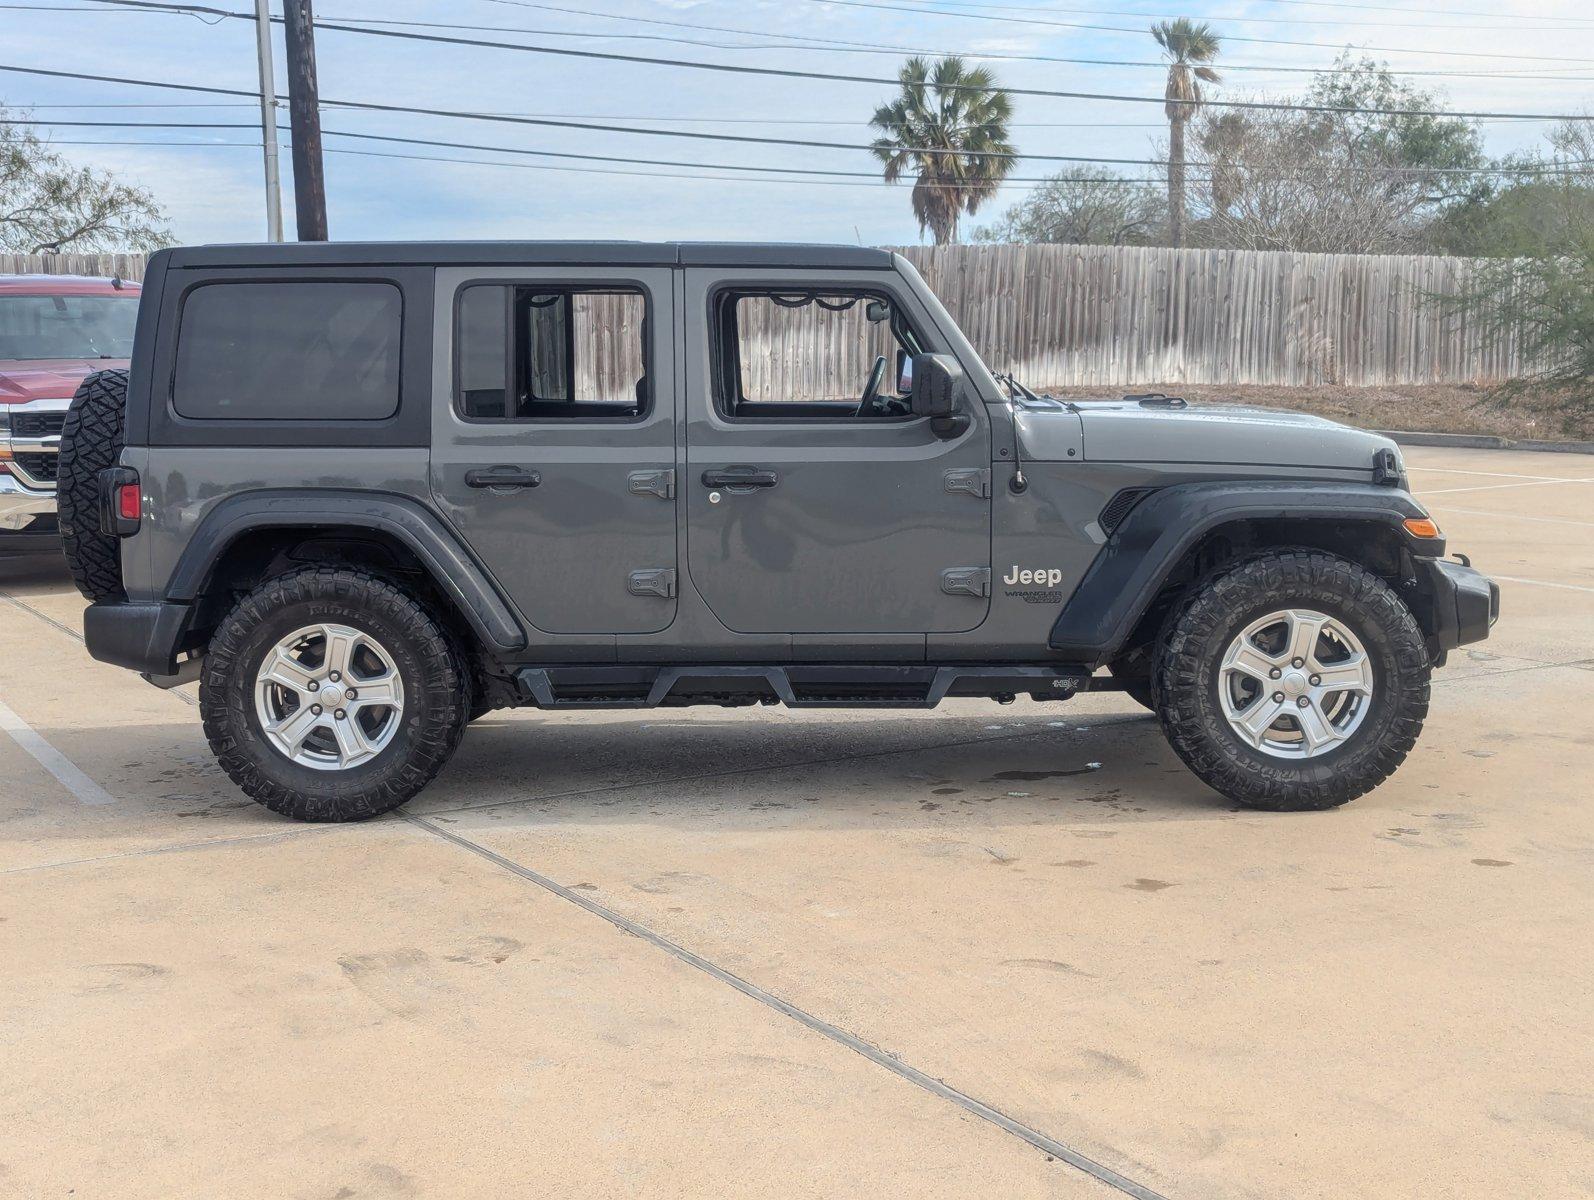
{"x": 1188, "y": 47}
{"x": 948, "y": 128}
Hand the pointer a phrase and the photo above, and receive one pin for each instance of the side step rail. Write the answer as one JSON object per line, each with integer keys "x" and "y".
{"x": 841, "y": 685}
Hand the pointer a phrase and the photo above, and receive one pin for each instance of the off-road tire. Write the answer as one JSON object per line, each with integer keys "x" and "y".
{"x": 437, "y": 694}
{"x": 91, "y": 440}
{"x": 1186, "y": 680}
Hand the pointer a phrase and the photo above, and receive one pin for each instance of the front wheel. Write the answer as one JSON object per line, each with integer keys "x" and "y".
{"x": 331, "y": 695}
{"x": 1293, "y": 681}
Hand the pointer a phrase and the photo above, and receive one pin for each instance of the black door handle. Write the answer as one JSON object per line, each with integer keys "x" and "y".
{"x": 740, "y": 478}
{"x": 502, "y": 477}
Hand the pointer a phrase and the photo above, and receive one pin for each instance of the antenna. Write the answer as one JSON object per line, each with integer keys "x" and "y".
{"x": 1018, "y": 485}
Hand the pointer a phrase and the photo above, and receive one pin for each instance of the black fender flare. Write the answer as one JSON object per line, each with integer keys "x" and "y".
{"x": 451, "y": 566}
{"x": 1131, "y": 568}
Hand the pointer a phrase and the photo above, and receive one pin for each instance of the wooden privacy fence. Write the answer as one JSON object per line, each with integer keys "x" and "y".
{"x": 1118, "y": 316}
{"x": 1126, "y": 315}
{"x": 128, "y": 266}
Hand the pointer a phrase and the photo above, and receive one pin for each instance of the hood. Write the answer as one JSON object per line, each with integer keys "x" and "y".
{"x": 1126, "y": 431}
{"x": 22, "y": 380}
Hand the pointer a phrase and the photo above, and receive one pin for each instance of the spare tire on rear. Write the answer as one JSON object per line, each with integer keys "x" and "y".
{"x": 91, "y": 440}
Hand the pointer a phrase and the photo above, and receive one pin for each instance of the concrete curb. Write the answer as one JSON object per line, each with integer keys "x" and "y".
{"x": 1485, "y": 441}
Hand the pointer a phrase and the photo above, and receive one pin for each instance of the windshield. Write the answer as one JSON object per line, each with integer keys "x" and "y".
{"x": 67, "y": 326}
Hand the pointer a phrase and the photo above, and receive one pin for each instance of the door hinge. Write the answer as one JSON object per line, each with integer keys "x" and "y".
{"x": 659, "y": 581}
{"x": 966, "y": 581}
{"x": 652, "y": 483}
{"x": 973, "y": 481}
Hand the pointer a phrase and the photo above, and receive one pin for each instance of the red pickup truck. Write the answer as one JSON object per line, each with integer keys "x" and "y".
{"x": 54, "y": 330}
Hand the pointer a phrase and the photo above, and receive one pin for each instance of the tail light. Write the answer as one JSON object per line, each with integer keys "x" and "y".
{"x": 121, "y": 501}
{"x": 129, "y": 501}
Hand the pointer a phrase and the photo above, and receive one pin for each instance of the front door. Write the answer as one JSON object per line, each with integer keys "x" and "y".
{"x": 553, "y": 449}
{"x": 816, "y": 503}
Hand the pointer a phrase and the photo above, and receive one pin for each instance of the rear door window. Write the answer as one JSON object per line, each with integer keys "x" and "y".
{"x": 551, "y": 352}
{"x": 289, "y": 351}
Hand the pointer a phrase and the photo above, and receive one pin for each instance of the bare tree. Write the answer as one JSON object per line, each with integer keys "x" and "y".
{"x": 1082, "y": 206}
{"x": 47, "y": 203}
{"x": 1268, "y": 182}
{"x": 1332, "y": 181}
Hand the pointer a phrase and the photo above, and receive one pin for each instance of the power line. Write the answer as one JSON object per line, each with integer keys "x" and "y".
{"x": 132, "y": 124}
{"x": 1438, "y": 12}
{"x": 24, "y": 106}
{"x": 487, "y": 162}
{"x": 810, "y": 43}
{"x": 1140, "y": 32}
{"x": 1577, "y": 23}
{"x": 805, "y": 143}
{"x": 370, "y": 106}
{"x": 163, "y": 6}
{"x": 1300, "y": 172}
{"x": 1118, "y": 11}
{"x": 831, "y": 77}
{"x": 872, "y": 181}
{"x": 131, "y": 104}
{"x": 842, "y": 46}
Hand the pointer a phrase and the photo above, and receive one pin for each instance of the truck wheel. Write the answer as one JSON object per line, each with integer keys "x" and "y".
{"x": 1293, "y": 681}
{"x": 91, "y": 440}
{"x": 331, "y": 695}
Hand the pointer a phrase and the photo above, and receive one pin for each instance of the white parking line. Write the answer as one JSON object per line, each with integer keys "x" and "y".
{"x": 1493, "y": 487}
{"x": 1569, "y": 587}
{"x": 52, "y": 760}
{"x": 1492, "y": 474}
{"x": 1478, "y": 512}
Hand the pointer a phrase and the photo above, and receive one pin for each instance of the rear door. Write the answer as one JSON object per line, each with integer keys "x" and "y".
{"x": 553, "y": 447}
{"x": 807, "y": 511}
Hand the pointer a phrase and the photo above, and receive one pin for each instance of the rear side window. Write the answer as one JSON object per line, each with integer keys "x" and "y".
{"x": 539, "y": 353}
{"x": 298, "y": 351}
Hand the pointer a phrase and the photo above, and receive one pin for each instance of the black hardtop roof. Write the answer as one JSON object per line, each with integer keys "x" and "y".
{"x": 635, "y": 254}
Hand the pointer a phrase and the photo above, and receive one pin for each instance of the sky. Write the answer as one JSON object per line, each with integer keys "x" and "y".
{"x": 1496, "y": 55}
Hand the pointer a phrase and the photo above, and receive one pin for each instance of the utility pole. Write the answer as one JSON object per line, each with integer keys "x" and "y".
{"x": 304, "y": 116}
{"x": 268, "y": 120}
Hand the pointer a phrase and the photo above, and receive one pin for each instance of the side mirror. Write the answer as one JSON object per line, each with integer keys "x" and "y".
{"x": 937, "y": 388}
{"x": 904, "y": 373}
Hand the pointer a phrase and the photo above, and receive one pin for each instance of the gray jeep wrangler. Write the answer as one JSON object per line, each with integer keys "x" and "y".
{"x": 367, "y": 493}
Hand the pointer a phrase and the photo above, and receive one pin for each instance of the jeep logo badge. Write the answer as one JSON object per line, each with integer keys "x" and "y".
{"x": 1048, "y": 577}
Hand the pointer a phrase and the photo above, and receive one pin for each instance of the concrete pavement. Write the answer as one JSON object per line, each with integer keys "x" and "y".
{"x": 1033, "y": 908}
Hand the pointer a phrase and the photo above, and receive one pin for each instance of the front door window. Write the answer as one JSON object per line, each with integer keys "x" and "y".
{"x": 813, "y": 355}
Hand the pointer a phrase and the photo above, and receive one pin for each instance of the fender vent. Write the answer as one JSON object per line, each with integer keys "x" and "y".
{"x": 1118, "y": 507}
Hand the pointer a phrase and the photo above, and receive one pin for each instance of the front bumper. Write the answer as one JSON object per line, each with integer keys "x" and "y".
{"x": 30, "y": 434}
{"x": 26, "y": 514}
{"x": 1463, "y": 604}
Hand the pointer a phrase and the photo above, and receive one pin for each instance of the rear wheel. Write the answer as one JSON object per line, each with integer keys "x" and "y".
{"x": 91, "y": 440}
{"x": 331, "y": 695}
{"x": 1294, "y": 680}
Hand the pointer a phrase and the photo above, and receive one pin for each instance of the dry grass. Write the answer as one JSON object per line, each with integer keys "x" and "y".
{"x": 1430, "y": 408}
